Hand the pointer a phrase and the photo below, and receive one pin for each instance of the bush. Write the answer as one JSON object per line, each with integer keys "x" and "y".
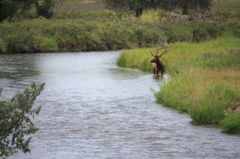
{"x": 203, "y": 31}
{"x": 231, "y": 124}
{"x": 44, "y": 9}
{"x": 47, "y": 44}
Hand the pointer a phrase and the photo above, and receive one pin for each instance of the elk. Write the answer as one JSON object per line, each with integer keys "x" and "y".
{"x": 157, "y": 62}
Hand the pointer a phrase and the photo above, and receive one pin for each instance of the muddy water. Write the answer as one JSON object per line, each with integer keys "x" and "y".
{"x": 95, "y": 109}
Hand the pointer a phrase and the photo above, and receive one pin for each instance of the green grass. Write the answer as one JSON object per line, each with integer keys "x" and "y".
{"x": 231, "y": 124}
{"x": 205, "y": 77}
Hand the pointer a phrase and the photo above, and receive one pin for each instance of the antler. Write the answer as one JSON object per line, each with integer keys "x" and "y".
{"x": 165, "y": 51}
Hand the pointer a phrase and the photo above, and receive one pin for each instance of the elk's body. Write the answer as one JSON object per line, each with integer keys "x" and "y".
{"x": 157, "y": 62}
{"x": 157, "y": 65}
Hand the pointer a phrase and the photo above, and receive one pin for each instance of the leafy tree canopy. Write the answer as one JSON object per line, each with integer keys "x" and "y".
{"x": 8, "y": 8}
{"x": 15, "y": 120}
{"x": 137, "y": 6}
{"x": 186, "y": 5}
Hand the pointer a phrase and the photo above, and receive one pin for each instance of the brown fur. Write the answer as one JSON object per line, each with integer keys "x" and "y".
{"x": 157, "y": 62}
{"x": 157, "y": 65}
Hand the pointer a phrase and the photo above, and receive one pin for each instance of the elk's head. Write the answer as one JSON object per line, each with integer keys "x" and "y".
{"x": 157, "y": 62}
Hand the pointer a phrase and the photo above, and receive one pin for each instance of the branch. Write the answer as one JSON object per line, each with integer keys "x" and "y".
{"x": 59, "y": 7}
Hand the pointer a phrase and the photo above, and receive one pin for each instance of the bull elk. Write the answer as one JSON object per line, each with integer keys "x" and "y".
{"x": 157, "y": 62}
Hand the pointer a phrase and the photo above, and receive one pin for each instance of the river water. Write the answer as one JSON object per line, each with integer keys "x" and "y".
{"x": 95, "y": 109}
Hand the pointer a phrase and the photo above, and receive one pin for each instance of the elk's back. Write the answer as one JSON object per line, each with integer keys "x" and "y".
{"x": 157, "y": 64}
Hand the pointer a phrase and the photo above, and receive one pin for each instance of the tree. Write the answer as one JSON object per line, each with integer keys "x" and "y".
{"x": 45, "y": 8}
{"x": 9, "y": 8}
{"x": 186, "y": 5}
{"x": 136, "y": 6}
{"x": 15, "y": 120}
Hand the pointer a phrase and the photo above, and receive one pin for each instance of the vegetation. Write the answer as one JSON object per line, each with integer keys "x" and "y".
{"x": 137, "y": 6}
{"x": 205, "y": 79}
{"x": 231, "y": 124}
{"x": 205, "y": 75}
{"x": 45, "y": 8}
{"x": 16, "y": 123}
{"x": 89, "y": 26}
{"x": 9, "y": 8}
{"x": 204, "y": 61}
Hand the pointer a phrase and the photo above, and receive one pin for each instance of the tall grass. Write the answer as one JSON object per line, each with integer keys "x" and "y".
{"x": 205, "y": 77}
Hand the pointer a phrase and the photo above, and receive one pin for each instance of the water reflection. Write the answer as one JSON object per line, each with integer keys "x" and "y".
{"x": 94, "y": 109}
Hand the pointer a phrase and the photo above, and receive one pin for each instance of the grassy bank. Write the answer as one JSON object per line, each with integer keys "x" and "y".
{"x": 89, "y": 26}
{"x": 205, "y": 79}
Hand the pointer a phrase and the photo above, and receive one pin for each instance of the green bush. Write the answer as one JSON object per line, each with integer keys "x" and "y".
{"x": 203, "y": 31}
{"x": 47, "y": 45}
{"x": 231, "y": 124}
{"x": 45, "y": 8}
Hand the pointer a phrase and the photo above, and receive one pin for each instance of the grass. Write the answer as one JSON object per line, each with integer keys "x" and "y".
{"x": 231, "y": 124}
{"x": 205, "y": 77}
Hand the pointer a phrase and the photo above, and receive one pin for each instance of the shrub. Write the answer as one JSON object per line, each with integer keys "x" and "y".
{"x": 44, "y": 9}
{"x": 203, "y": 31}
{"x": 231, "y": 124}
{"x": 47, "y": 44}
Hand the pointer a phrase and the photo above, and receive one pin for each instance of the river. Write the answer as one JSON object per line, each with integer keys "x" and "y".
{"x": 91, "y": 108}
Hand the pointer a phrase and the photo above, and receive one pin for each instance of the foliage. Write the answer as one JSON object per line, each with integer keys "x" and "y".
{"x": 176, "y": 93}
{"x": 186, "y": 5}
{"x": 115, "y": 33}
{"x": 16, "y": 120}
{"x": 211, "y": 110}
{"x": 2, "y": 46}
{"x": 136, "y": 6}
{"x": 45, "y": 8}
{"x": 81, "y": 26}
{"x": 231, "y": 124}
{"x": 137, "y": 58}
{"x": 206, "y": 31}
{"x": 222, "y": 60}
{"x": 226, "y": 10}
{"x": 203, "y": 84}
{"x": 9, "y": 8}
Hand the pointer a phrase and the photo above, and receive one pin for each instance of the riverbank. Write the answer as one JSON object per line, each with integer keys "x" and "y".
{"x": 205, "y": 79}
{"x": 80, "y": 26}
